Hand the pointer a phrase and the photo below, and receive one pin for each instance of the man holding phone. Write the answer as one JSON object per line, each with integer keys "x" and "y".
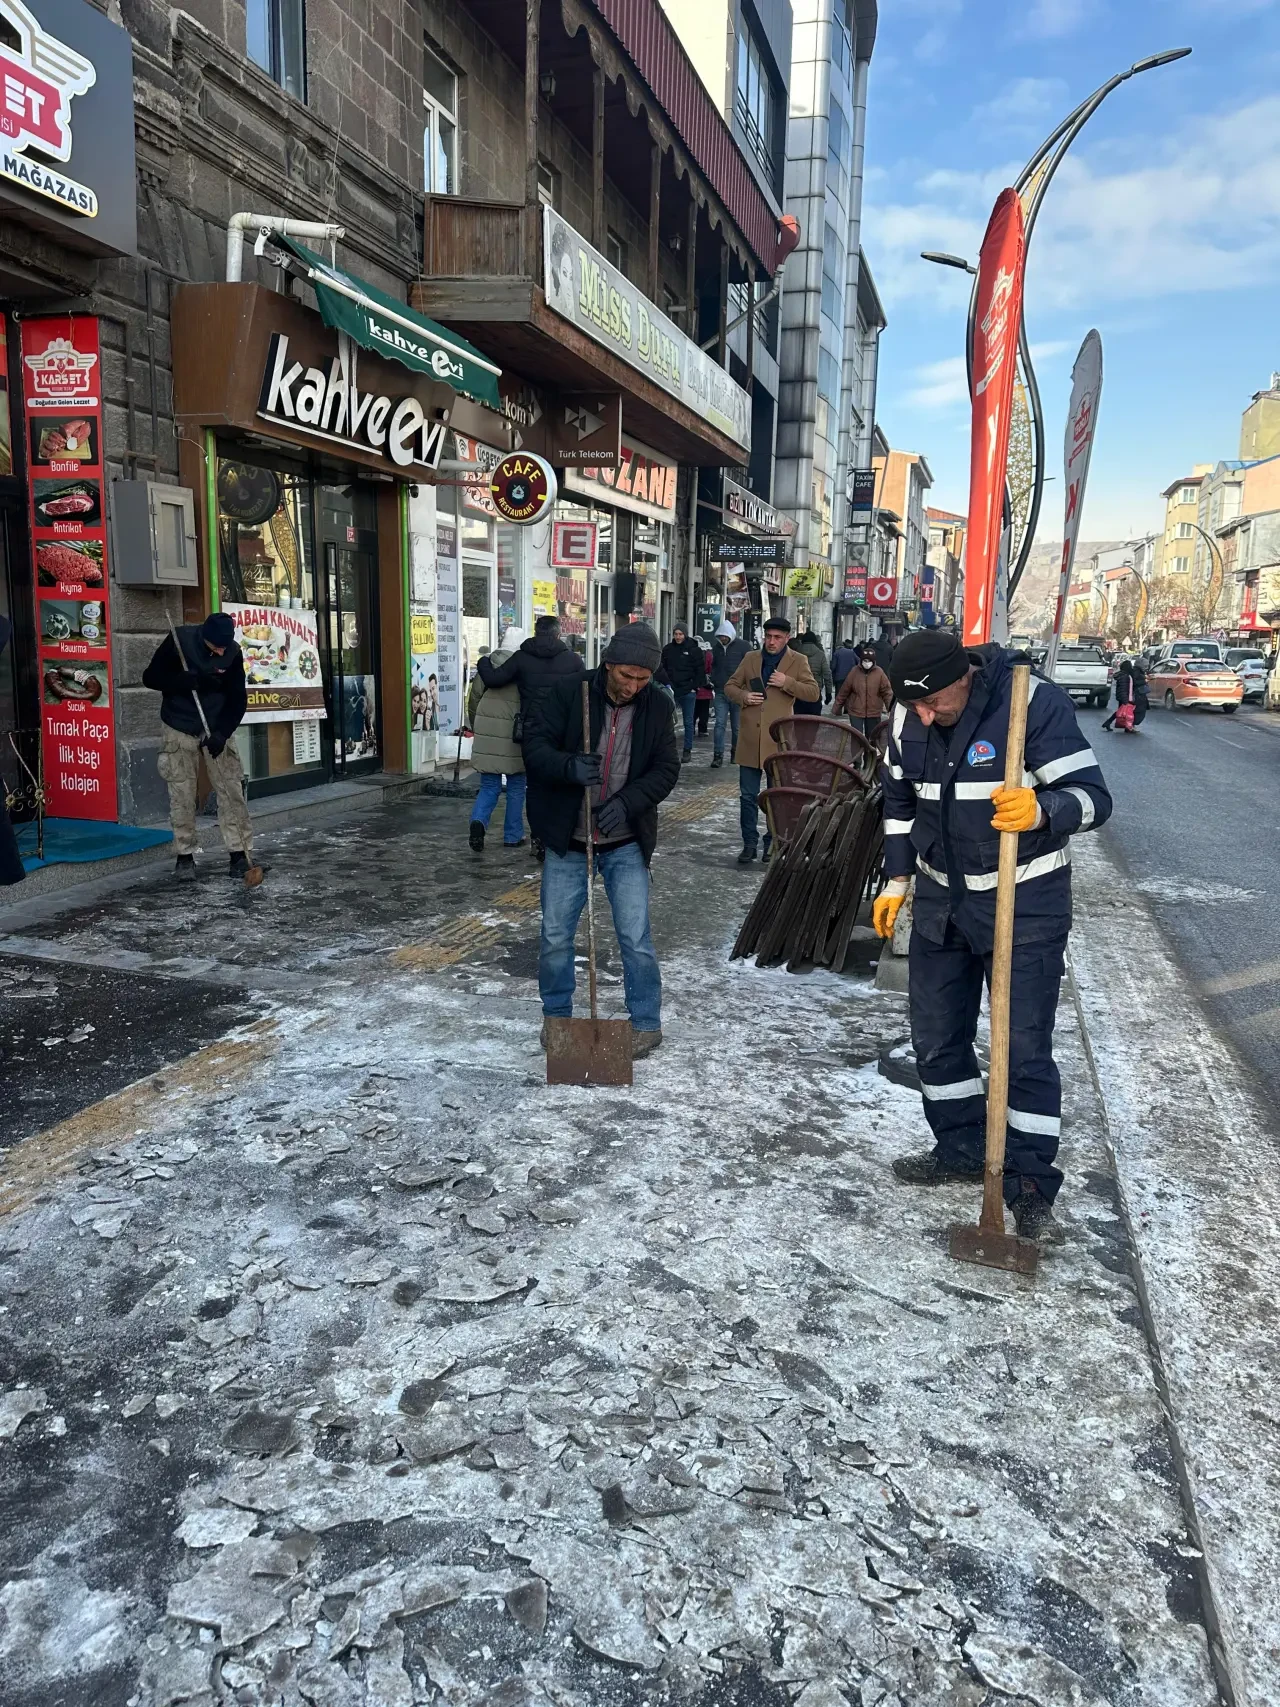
{"x": 766, "y": 685}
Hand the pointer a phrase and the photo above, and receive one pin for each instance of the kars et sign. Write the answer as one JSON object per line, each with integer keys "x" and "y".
{"x": 66, "y": 124}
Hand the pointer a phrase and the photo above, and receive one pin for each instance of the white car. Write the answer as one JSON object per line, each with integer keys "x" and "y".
{"x": 1253, "y": 673}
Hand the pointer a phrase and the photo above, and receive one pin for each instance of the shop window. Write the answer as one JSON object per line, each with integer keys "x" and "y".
{"x": 440, "y": 125}
{"x": 276, "y": 39}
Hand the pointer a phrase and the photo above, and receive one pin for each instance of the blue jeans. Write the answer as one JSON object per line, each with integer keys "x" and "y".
{"x": 688, "y": 703}
{"x": 564, "y": 895}
{"x": 749, "y": 779}
{"x": 487, "y": 799}
{"x": 728, "y": 715}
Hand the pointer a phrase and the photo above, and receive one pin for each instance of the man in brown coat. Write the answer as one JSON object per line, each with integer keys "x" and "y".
{"x": 865, "y": 696}
{"x": 766, "y": 685}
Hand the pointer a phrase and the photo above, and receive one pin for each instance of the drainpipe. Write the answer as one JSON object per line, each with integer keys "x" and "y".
{"x": 264, "y": 223}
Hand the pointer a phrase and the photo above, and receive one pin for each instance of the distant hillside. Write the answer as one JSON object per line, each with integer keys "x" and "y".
{"x": 1038, "y": 589}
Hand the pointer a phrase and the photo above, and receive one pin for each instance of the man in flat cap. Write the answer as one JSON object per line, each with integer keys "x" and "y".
{"x": 943, "y": 775}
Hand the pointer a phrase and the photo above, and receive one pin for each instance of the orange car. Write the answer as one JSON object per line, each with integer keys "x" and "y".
{"x": 1180, "y": 682}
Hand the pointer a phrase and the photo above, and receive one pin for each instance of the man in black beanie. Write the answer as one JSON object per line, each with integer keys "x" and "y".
{"x": 632, "y": 765}
{"x": 943, "y": 776}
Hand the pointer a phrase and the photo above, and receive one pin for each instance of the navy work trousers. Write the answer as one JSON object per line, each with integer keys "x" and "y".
{"x": 946, "y": 992}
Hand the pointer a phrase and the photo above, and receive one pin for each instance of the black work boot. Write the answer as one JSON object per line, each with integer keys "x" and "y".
{"x": 929, "y": 1169}
{"x": 239, "y": 865}
{"x": 475, "y": 835}
{"x": 717, "y": 760}
{"x": 185, "y": 868}
{"x": 746, "y": 856}
{"x": 1034, "y": 1218}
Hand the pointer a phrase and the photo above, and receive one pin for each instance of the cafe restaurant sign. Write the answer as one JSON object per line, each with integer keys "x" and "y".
{"x": 582, "y": 286}
{"x": 66, "y": 122}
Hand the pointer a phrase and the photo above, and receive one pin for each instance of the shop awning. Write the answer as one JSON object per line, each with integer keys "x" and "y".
{"x": 389, "y": 328}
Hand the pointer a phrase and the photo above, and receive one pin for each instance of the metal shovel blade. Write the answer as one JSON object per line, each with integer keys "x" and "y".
{"x": 588, "y": 1051}
{"x": 994, "y": 1250}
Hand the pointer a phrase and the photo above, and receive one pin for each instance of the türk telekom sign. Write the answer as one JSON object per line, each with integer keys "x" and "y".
{"x": 66, "y": 123}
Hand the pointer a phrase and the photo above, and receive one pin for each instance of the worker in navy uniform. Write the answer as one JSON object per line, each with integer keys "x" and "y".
{"x": 943, "y": 775}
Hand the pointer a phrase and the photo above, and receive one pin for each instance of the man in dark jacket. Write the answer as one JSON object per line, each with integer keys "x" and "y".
{"x": 942, "y": 777}
{"x": 632, "y": 765}
{"x": 684, "y": 669}
{"x": 727, "y": 652}
{"x": 815, "y": 653}
{"x": 539, "y": 662}
{"x": 843, "y": 659}
{"x": 205, "y": 661}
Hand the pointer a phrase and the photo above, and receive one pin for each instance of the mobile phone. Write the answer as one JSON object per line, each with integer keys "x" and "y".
{"x": 756, "y": 685}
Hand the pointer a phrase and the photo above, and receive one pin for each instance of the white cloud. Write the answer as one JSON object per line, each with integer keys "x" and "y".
{"x": 1025, "y": 101}
{"x": 1054, "y": 18}
{"x": 1201, "y": 214}
{"x": 944, "y": 384}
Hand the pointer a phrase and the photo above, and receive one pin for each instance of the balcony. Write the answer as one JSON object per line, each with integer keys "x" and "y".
{"x": 483, "y": 275}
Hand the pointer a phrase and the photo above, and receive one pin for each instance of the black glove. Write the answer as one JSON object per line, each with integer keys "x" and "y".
{"x": 213, "y": 745}
{"x": 586, "y": 770}
{"x": 611, "y": 819}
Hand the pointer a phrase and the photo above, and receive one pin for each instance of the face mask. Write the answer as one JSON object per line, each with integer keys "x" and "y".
{"x": 868, "y": 664}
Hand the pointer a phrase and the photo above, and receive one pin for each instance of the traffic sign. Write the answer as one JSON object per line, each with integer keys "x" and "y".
{"x": 882, "y": 593}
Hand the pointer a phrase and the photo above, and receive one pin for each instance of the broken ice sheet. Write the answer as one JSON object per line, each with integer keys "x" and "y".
{"x": 17, "y": 1406}
{"x": 216, "y": 1526}
{"x": 1027, "y": 1672}
{"x": 366, "y": 1268}
{"x": 463, "y": 1281}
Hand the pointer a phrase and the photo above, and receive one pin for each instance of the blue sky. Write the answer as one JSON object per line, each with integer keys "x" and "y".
{"x": 1162, "y": 227}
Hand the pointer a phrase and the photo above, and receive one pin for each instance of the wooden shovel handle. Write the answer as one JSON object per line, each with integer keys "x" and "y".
{"x": 591, "y": 899}
{"x": 1001, "y": 966}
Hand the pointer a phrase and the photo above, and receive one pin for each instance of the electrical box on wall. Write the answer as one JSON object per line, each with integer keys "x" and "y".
{"x": 153, "y": 534}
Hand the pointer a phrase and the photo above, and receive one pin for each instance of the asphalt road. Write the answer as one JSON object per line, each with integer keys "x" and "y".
{"x": 1197, "y": 824}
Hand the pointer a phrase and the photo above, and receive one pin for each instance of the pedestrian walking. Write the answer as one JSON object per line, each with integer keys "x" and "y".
{"x": 496, "y": 720}
{"x": 683, "y": 667}
{"x": 1124, "y": 692}
{"x": 866, "y": 697}
{"x": 705, "y": 696}
{"x": 843, "y": 659}
{"x": 727, "y": 653}
{"x": 942, "y": 777}
{"x": 883, "y": 649}
{"x": 768, "y": 685}
{"x": 633, "y": 765}
{"x": 815, "y": 654}
{"x": 204, "y": 659}
{"x": 1141, "y": 701}
{"x": 533, "y": 668}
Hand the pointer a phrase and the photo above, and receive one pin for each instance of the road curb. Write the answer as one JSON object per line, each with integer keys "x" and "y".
{"x": 1218, "y": 1655}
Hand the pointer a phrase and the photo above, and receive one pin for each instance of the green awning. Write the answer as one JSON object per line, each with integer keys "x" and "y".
{"x": 380, "y": 323}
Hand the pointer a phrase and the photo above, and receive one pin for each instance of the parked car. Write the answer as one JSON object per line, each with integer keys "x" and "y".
{"x": 1082, "y": 671}
{"x": 1237, "y": 655}
{"x": 1253, "y": 672}
{"x": 1213, "y": 650}
{"x": 1181, "y": 682}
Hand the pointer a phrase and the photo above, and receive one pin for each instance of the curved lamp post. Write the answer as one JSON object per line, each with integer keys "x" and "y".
{"x": 1031, "y": 184}
{"x": 1217, "y": 576}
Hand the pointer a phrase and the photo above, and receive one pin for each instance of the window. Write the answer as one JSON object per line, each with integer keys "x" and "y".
{"x": 837, "y": 137}
{"x": 276, "y": 39}
{"x": 832, "y": 269}
{"x": 439, "y": 126}
{"x": 1185, "y": 530}
{"x": 754, "y": 102}
{"x": 615, "y": 250}
{"x": 1180, "y": 566}
{"x": 828, "y": 376}
{"x": 1189, "y": 495}
{"x": 547, "y": 176}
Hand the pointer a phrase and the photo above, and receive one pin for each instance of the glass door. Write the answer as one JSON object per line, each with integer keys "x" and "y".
{"x": 349, "y": 543}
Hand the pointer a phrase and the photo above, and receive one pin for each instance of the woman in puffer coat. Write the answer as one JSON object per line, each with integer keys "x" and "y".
{"x": 495, "y": 750}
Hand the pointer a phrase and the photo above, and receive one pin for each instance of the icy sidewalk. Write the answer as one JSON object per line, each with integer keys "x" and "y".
{"x": 1197, "y": 1161}
{"x": 373, "y": 1371}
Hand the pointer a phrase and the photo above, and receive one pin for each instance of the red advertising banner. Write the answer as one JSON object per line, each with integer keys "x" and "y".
{"x": 882, "y": 593}
{"x": 997, "y": 322}
{"x": 62, "y": 411}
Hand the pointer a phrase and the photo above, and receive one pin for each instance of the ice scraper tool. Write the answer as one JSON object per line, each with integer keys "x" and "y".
{"x": 988, "y": 1243}
{"x": 591, "y": 1051}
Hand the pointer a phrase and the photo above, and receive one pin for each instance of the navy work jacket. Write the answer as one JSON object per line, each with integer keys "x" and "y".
{"x": 937, "y": 807}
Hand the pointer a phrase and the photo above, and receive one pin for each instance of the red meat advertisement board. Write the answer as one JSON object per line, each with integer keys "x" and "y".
{"x": 62, "y": 398}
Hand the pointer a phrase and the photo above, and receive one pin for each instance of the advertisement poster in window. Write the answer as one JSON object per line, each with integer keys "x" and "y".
{"x": 281, "y": 651}
{"x": 61, "y": 394}
{"x": 449, "y": 636}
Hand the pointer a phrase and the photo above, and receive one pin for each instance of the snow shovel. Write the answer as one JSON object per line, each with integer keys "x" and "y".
{"x": 988, "y": 1243}
{"x": 591, "y": 1051}
{"x": 255, "y": 874}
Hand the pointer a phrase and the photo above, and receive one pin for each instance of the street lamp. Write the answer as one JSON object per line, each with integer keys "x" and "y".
{"x": 944, "y": 260}
{"x": 1031, "y": 184}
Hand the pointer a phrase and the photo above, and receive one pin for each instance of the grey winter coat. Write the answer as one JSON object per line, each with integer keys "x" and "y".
{"x": 492, "y": 713}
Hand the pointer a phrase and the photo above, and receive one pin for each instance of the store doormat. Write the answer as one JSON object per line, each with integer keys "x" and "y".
{"x": 77, "y": 841}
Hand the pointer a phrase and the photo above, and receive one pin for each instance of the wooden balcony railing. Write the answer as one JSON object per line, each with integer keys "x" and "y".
{"x": 477, "y": 239}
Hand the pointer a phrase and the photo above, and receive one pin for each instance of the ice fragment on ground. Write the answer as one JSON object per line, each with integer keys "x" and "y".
{"x": 366, "y": 1268}
{"x": 527, "y": 1604}
{"x": 17, "y": 1406}
{"x": 256, "y": 1431}
{"x": 555, "y": 1214}
{"x": 485, "y": 1220}
{"x": 216, "y": 1526}
{"x": 180, "y": 1675}
{"x": 441, "y": 1435}
{"x": 419, "y": 1176}
{"x": 1019, "y": 1669}
{"x": 167, "y": 1404}
{"x": 469, "y": 1282}
{"x": 57, "y": 1627}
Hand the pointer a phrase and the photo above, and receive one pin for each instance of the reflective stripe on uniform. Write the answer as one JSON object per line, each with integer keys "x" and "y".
{"x": 1050, "y": 1125}
{"x": 953, "y": 1093}
{"x": 898, "y": 826}
{"x": 1033, "y": 868}
{"x": 899, "y": 720}
{"x": 928, "y": 790}
{"x": 1086, "y": 805}
{"x": 1086, "y": 759}
{"x": 929, "y": 871}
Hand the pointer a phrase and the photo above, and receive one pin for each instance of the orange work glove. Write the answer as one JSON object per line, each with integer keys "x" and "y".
{"x": 885, "y": 907}
{"x": 1016, "y": 809}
